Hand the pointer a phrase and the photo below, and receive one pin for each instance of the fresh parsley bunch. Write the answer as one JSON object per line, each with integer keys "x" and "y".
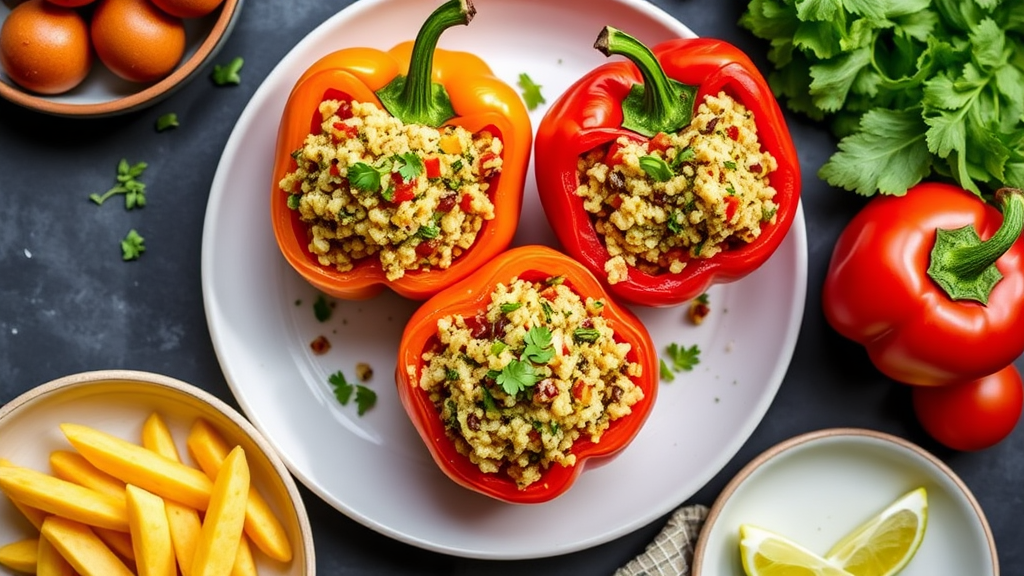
{"x": 911, "y": 87}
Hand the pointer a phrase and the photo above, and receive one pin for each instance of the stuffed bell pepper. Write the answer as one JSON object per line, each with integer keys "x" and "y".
{"x": 518, "y": 374}
{"x": 668, "y": 170}
{"x": 402, "y": 168}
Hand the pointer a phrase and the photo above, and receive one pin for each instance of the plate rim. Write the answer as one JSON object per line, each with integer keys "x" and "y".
{"x": 798, "y": 232}
{"x": 848, "y": 432}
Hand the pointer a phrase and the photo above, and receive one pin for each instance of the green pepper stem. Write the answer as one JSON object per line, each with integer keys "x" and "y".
{"x": 964, "y": 265}
{"x": 660, "y": 104}
{"x": 415, "y": 98}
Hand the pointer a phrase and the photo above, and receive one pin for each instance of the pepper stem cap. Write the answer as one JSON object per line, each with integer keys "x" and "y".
{"x": 963, "y": 265}
{"x": 414, "y": 98}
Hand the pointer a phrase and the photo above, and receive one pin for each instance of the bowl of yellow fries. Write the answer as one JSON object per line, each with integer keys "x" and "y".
{"x": 124, "y": 472}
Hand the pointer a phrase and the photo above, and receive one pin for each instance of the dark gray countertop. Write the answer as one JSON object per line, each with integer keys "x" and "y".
{"x": 68, "y": 304}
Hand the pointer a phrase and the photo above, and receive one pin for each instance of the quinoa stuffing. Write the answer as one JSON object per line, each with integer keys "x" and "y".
{"x": 369, "y": 185}
{"x": 661, "y": 202}
{"x": 519, "y": 383}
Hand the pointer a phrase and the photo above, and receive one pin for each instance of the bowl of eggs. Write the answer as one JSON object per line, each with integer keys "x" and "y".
{"x": 91, "y": 58}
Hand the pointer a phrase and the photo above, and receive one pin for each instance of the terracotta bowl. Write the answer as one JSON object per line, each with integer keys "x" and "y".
{"x": 104, "y": 94}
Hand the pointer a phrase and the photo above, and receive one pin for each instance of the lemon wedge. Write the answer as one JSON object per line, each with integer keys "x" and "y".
{"x": 765, "y": 553}
{"x": 883, "y": 545}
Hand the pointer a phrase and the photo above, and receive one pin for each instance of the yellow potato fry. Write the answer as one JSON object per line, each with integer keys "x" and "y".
{"x": 245, "y": 563}
{"x": 120, "y": 542}
{"x": 73, "y": 467}
{"x": 21, "y": 555}
{"x": 151, "y": 534}
{"x": 157, "y": 437}
{"x": 184, "y": 521}
{"x": 63, "y": 498}
{"x": 34, "y": 515}
{"x": 209, "y": 449}
{"x": 49, "y": 561}
{"x": 225, "y": 518}
{"x": 80, "y": 546}
{"x": 144, "y": 468}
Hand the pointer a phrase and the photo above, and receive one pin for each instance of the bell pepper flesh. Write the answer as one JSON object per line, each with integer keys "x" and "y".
{"x": 480, "y": 101}
{"x": 589, "y": 115}
{"x": 470, "y": 296}
{"x": 877, "y": 290}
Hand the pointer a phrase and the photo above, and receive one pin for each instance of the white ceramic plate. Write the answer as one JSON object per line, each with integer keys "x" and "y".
{"x": 817, "y": 487}
{"x": 118, "y": 402}
{"x": 374, "y": 468}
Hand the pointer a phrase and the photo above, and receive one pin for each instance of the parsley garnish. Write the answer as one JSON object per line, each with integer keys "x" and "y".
{"x": 497, "y": 347}
{"x": 666, "y": 373}
{"x": 227, "y": 74}
{"x": 681, "y": 359}
{"x": 127, "y": 184}
{"x": 293, "y": 201}
{"x": 322, "y": 308}
{"x": 365, "y": 397}
{"x": 510, "y": 307}
{"x": 166, "y": 122}
{"x": 656, "y": 168}
{"x": 368, "y": 178}
{"x": 428, "y": 232}
{"x": 516, "y": 376}
{"x": 365, "y": 177}
{"x": 132, "y": 246}
{"x": 408, "y": 165}
{"x": 531, "y": 92}
{"x": 538, "y": 345}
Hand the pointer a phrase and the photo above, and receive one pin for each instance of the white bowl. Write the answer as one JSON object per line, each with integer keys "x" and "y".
{"x": 816, "y": 487}
{"x": 118, "y": 402}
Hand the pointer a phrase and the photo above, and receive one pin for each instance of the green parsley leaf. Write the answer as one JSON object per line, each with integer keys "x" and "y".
{"x": 666, "y": 373}
{"x": 166, "y": 121}
{"x": 683, "y": 358}
{"x": 409, "y": 166}
{"x": 228, "y": 74}
{"x": 293, "y": 201}
{"x": 365, "y": 399}
{"x": 530, "y": 91}
{"x": 342, "y": 389}
{"x": 365, "y": 177}
{"x": 428, "y": 232}
{"x": 538, "y": 346}
{"x": 516, "y": 376}
{"x": 128, "y": 184}
{"x": 656, "y": 168}
{"x": 497, "y": 347}
{"x": 322, "y": 308}
{"x": 132, "y": 246}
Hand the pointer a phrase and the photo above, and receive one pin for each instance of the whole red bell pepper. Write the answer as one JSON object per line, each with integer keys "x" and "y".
{"x": 471, "y": 297}
{"x": 656, "y": 91}
{"x": 417, "y": 83}
{"x": 931, "y": 283}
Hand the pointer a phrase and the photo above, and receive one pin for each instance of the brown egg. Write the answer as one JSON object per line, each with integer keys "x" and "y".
{"x": 188, "y": 8}
{"x": 136, "y": 40}
{"x": 44, "y": 47}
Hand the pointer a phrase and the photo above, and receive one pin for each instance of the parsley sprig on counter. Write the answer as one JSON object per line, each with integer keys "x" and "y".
{"x": 680, "y": 359}
{"x": 365, "y": 397}
{"x": 913, "y": 88}
{"x": 128, "y": 184}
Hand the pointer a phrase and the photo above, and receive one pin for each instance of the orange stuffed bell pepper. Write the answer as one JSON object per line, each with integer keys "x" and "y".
{"x": 519, "y": 374}
{"x": 402, "y": 168}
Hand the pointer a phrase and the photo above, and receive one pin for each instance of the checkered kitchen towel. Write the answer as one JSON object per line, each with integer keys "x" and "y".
{"x": 671, "y": 552}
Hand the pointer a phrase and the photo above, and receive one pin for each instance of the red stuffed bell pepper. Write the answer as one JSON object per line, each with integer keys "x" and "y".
{"x": 678, "y": 216}
{"x": 931, "y": 283}
{"x": 443, "y": 208}
{"x": 530, "y": 348}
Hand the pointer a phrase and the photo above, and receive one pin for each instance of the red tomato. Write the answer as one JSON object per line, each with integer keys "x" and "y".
{"x": 44, "y": 47}
{"x": 973, "y": 415}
